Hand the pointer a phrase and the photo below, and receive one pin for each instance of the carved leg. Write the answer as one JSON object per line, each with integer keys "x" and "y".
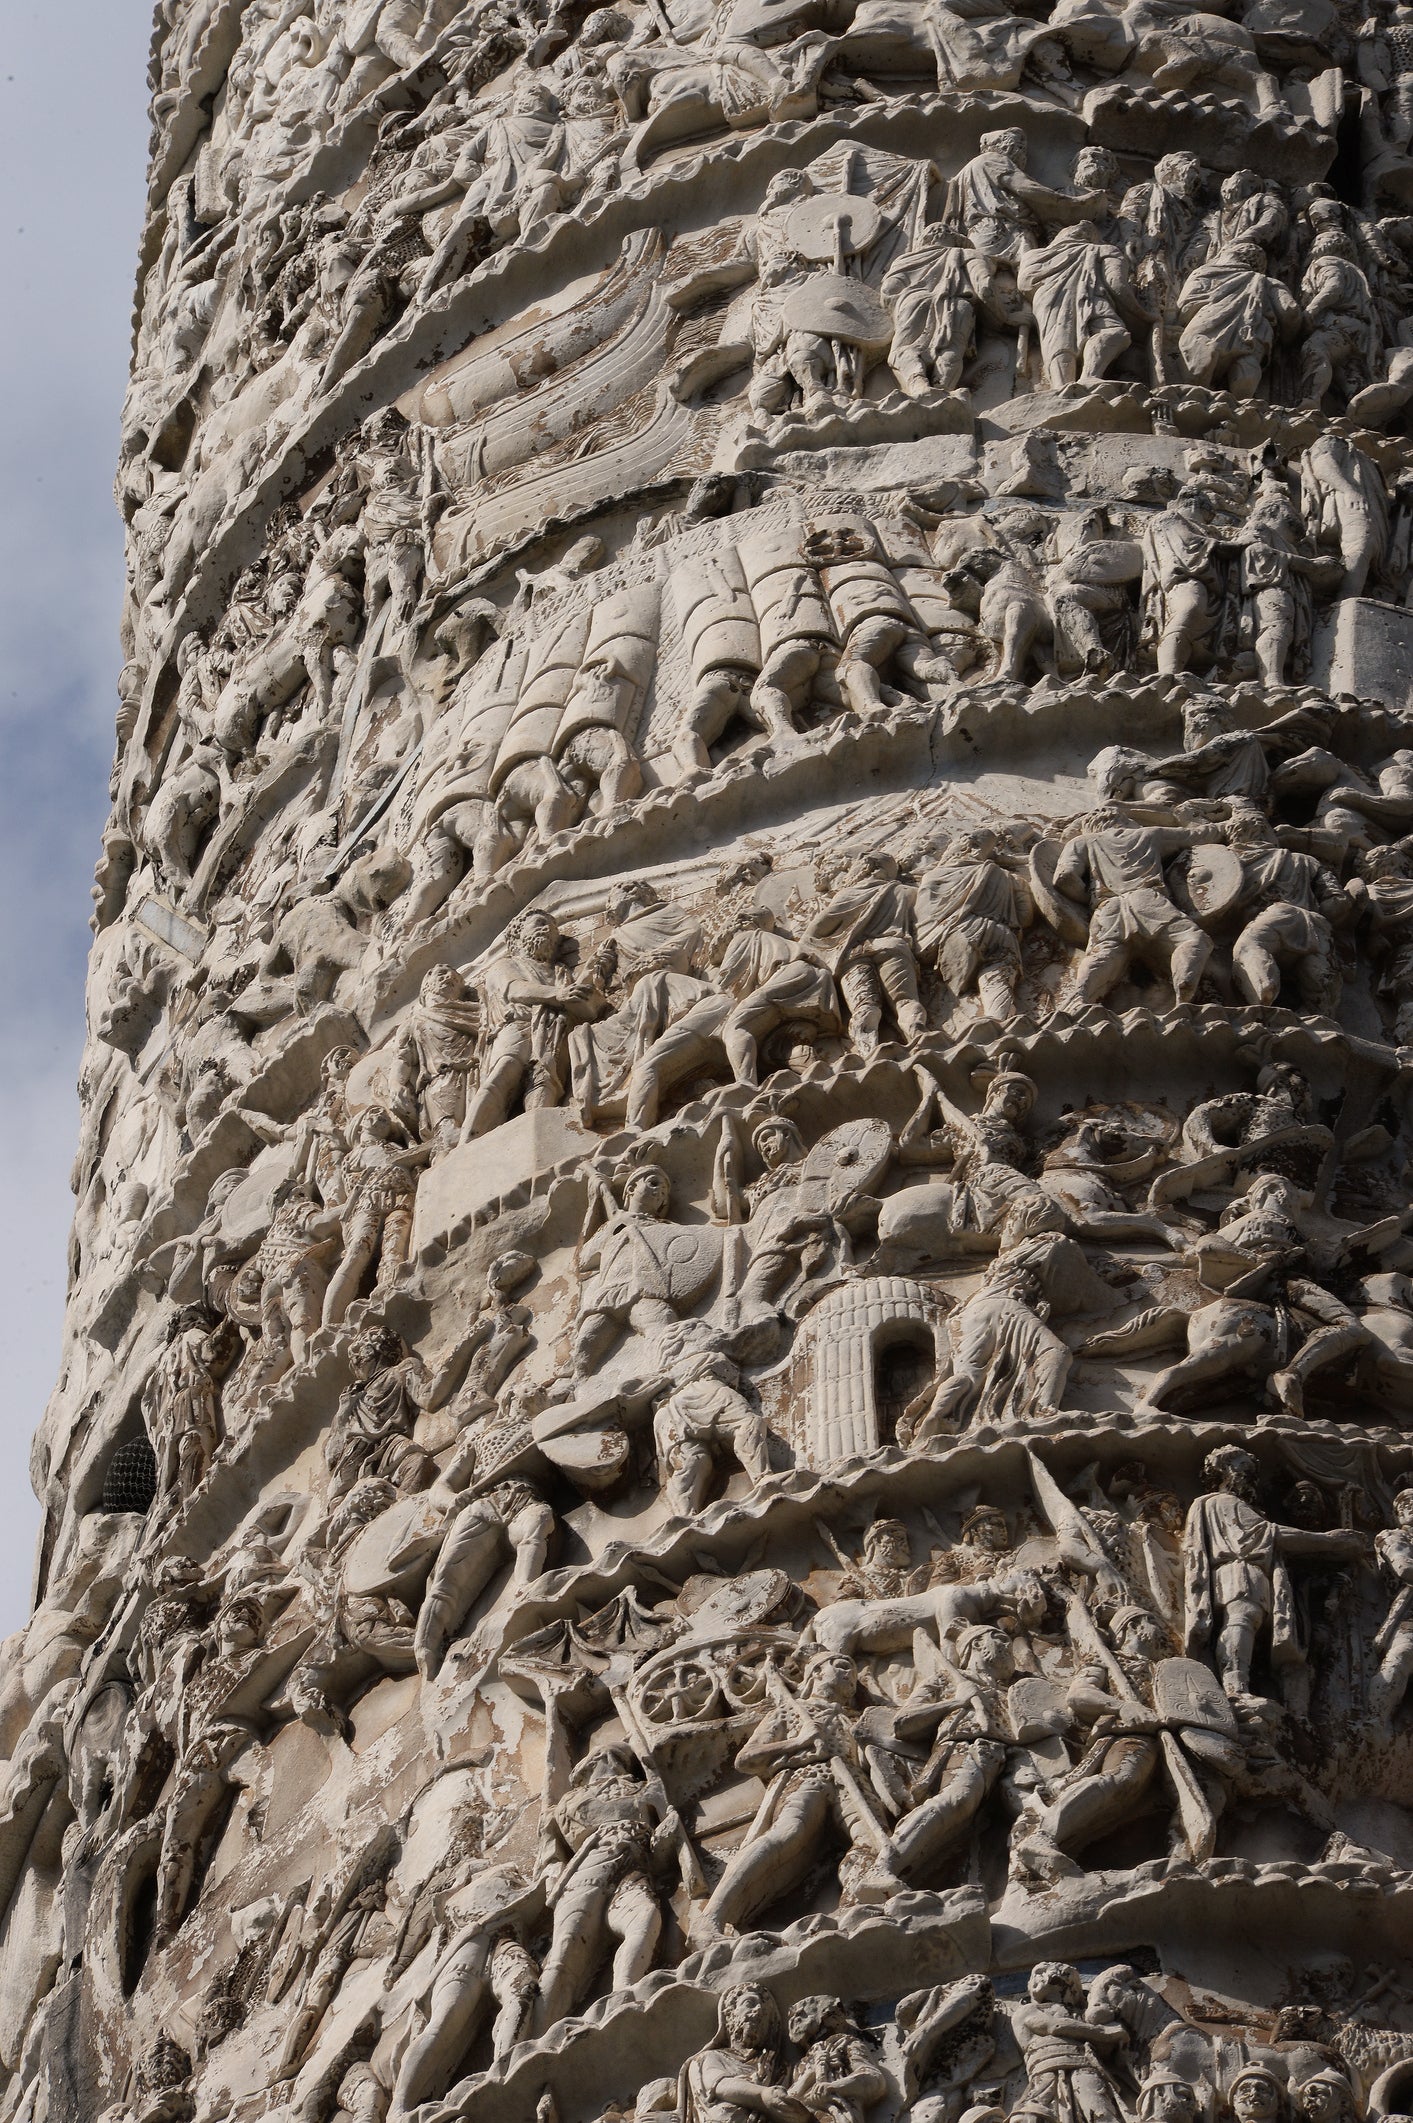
{"x": 763, "y": 1870}
{"x": 635, "y": 1920}
{"x": 471, "y": 1554}
{"x": 457, "y": 2002}
{"x": 575, "y": 1947}
{"x": 360, "y": 1244}
{"x": 922, "y": 1838}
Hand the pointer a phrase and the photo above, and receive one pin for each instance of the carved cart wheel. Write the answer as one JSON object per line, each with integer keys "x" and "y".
{"x": 683, "y": 1692}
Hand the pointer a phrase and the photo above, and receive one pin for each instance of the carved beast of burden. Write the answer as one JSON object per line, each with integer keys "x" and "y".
{"x": 734, "y": 1436}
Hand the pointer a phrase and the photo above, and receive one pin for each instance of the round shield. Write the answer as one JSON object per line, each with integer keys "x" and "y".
{"x": 1065, "y": 917}
{"x": 395, "y": 1548}
{"x": 1214, "y": 882}
{"x": 849, "y": 1160}
{"x": 593, "y": 1459}
{"x": 831, "y": 222}
{"x": 832, "y": 307}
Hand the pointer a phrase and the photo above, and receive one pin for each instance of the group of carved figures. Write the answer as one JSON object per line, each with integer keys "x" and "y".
{"x": 1178, "y": 279}
{"x": 492, "y": 122}
{"x": 1079, "y": 1671}
{"x": 673, "y": 1006}
{"x": 435, "y": 738}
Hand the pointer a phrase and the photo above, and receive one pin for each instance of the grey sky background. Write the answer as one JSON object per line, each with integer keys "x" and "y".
{"x": 73, "y": 144}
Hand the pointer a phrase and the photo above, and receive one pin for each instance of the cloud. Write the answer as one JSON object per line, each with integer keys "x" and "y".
{"x": 73, "y": 144}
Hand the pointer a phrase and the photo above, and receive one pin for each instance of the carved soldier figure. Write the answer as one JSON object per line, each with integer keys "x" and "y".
{"x": 437, "y": 1056}
{"x": 864, "y": 934}
{"x": 940, "y": 1796}
{"x": 1233, "y": 312}
{"x": 766, "y": 981}
{"x": 702, "y": 1408}
{"x": 999, "y": 207}
{"x": 1007, "y": 1366}
{"x": 1080, "y": 288}
{"x": 628, "y": 1256}
{"x": 1118, "y": 867}
{"x": 806, "y": 1750}
{"x": 838, "y": 2076}
{"x": 376, "y": 1218}
{"x": 528, "y": 1002}
{"x": 289, "y": 1287}
{"x": 1182, "y": 578}
{"x": 484, "y": 1962}
{"x": 181, "y": 1404}
{"x": 488, "y": 1519}
{"x": 1064, "y": 2048}
{"x": 1341, "y": 338}
{"x": 938, "y": 293}
{"x": 321, "y": 1135}
{"x": 1087, "y": 590}
{"x": 1387, "y": 877}
{"x": 1277, "y": 572}
{"x": 1290, "y": 903}
{"x": 371, "y": 1434}
{"x": 1161, "y": 224}
{"x": 1237, "y": 1586}
{"x": 604, "y": 1836}
{"x": 216, "y": 1721}
{"x": 971, "y": 909}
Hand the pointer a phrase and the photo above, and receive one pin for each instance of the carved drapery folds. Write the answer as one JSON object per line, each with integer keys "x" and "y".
{"x": 735, "y": 1429}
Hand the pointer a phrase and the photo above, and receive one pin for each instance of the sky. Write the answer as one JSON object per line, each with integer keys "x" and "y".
{"x": 73, "y": 146}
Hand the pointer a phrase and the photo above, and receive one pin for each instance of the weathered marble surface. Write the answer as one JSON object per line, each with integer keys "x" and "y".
{"x": 735, "y": 1434}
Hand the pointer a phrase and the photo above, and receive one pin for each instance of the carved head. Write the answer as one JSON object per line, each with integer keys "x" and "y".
{"x": 985, "y": 1527}
{"x": 1115, "y": 1987}
{"x": 606, "y": 1765}
{"x": 240, "y": 1624}
{"x": 1403, "y": 1509}
{"x": 336, "y": 1067}
{"x": 1138, "y": 1634}
{"x": 831, "y": 1677}
{"x": 979, "y": 845}
{"x": 1095, "y": 170}
{"x": 777, "y": 1142}
{"x": 748, "y": 2018}
{"x": 442, "y": 984}
{"x": 785, "y": 187}
{"x": 1233, "y": 1471}
{"x": 1180, "y": 173}
{"x": 1255, "y": 2095}
{"x": 815, "y": 2016}
{"x": 534, "y": 935}
{"x": 373, "y": 1350}
{"x": 1250, "y": 828}
{"x": 374, "y": 1125}
{"x": 647, "y": 1191}
{"x": 508, "y": 1271}
{"x": 533, "y": 99}
{"x": 1326, "y": 2097}
{"x": 1204, "y": 718}
{"x": 1242, "y": 184}
{"x": 1011, "y": 1095}
{"x": 1010, "y": 141}
{"x": 1055, "y": 1983}
{"x": 886, "y": 1542}
{"x": 192, "y": 1319}
{"x": 1165, "y": 2098}
{"x": 984, "y": 1654}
